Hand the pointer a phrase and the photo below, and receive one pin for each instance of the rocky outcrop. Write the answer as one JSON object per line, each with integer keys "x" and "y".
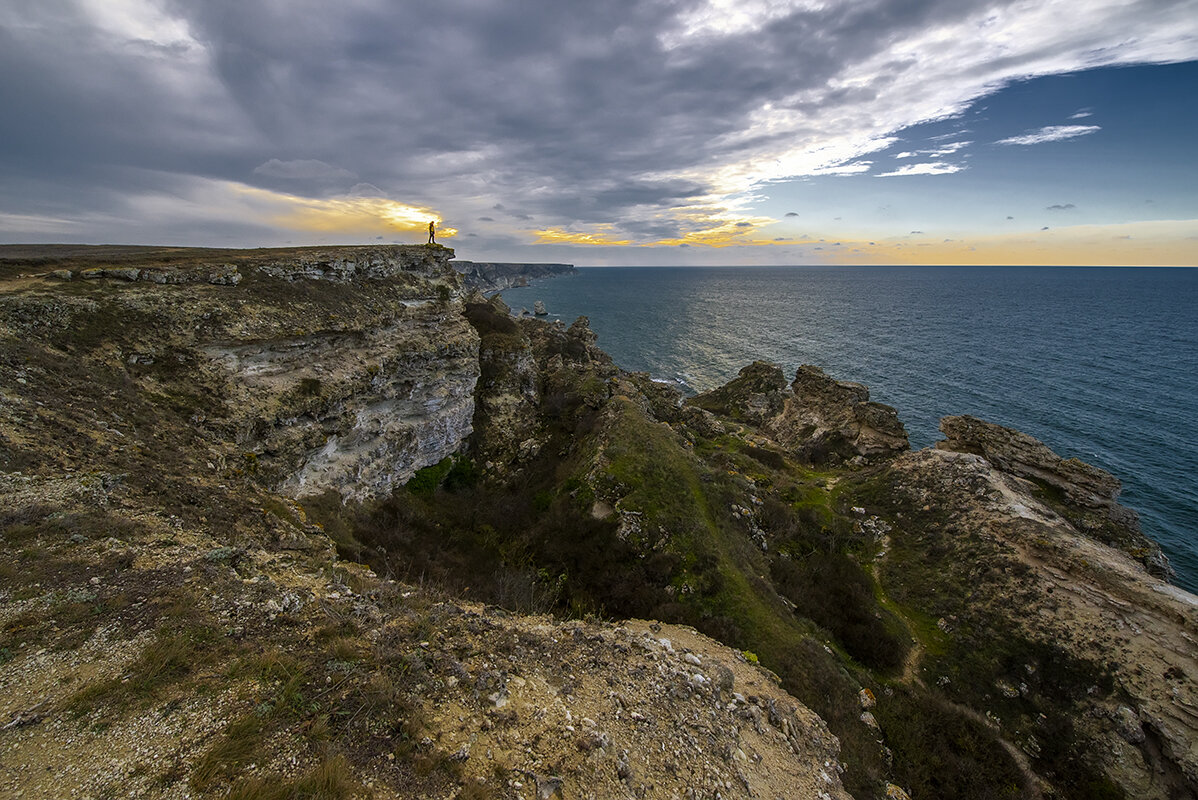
{"x": 756, "y": 395}
{"x": 538, "y": 309}
{"x": 508, "y": 393}
{"x": 834, "y": 419}
{"x": 352, "y": 386}
{"x": 491, "y": 277}
{"x": 1086, "y": 495}
{"x": 1018, "y": 454}
{"x": 817, "y": 418}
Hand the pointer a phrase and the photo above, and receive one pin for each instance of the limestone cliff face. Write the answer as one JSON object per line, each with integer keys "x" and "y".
{"x": 345, "y": 369}
{"x": 358, "y": 413}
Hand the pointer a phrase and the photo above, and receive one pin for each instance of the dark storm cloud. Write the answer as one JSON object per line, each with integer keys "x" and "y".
{"x": 568, "y": 113}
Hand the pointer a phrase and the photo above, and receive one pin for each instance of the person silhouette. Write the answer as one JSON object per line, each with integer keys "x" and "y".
{"x": 432, "y": 228}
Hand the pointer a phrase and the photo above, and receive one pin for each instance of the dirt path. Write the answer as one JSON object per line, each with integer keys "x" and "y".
{"x": 1033, "y": 786}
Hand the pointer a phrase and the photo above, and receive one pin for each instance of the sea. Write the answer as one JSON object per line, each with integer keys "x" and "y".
{"x": 1100, "y": 364}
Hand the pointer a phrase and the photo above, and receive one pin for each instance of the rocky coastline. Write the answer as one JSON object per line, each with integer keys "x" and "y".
{"x": 491, "y": 277}
{"x": 332, "y": 522}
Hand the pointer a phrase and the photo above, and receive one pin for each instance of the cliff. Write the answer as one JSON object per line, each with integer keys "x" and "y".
{"x": 490, "y": 277}
{"x": 329, "y": 522}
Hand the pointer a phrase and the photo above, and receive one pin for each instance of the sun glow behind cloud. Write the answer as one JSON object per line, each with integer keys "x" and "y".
{"x": 344, "y": 214}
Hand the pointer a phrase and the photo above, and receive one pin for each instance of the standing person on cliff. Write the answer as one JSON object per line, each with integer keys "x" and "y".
{"x": 432, "y": 229}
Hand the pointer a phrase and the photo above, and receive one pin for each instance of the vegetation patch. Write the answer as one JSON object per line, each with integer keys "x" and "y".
{"x": 331, "y": 779}
{"x": 832, "y": 590}
{"x": 170, "y": 657}
{"x": 941, "y": 752}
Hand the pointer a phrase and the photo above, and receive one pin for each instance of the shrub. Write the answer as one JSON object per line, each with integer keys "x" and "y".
{"x": 940, "y": 752}
{"x": 835, "y": 593}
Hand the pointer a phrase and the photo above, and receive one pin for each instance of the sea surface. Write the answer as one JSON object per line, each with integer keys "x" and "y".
{"x": 1098, "y": 363}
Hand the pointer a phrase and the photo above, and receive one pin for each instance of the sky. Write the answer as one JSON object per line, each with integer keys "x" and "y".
{"x": 636, "y": 132}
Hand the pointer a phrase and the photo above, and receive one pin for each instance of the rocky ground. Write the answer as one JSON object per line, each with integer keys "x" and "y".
{"x": 325, "y": 523}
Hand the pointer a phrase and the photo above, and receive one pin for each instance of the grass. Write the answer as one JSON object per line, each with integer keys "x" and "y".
{"x": 239, "y": 745}
{"x": 942, "y": 753}
{"x": 331, "y": 779}
{"x": 171, "y": 656}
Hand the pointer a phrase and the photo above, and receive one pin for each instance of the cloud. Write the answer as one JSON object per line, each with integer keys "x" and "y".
{"x": 1082, "y": 114}
{"x": 1060, "y": 207}
{"x": 792, "y": 213}
{"x": 576, "y": 116}
{"x": 853, "y": 168}
{"x": 930, "y": 168}
{"x": 302, "y": 169}
{"x": 1052, "y": 133}
{"x": 948, "y": 149}
{"x": 36, "y": 224}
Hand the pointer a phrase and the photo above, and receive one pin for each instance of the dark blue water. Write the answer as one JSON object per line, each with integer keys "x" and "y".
{"x": 1100, "y": 364}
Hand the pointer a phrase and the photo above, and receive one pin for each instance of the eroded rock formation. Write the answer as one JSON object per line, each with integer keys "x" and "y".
{"x": 816, "y": 417}
{"x": 1085, "y": 494}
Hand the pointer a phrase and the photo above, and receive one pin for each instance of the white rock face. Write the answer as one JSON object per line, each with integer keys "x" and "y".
{"x": 424, "y": 421}
{"x": 356, "y": 411}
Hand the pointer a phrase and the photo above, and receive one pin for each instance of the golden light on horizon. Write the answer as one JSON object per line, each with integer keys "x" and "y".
{"x": 716, "y": 231}
{"x": 1170, "y": 243}
{"x": 348, "y": 214}
{"x": 604, "y": 236}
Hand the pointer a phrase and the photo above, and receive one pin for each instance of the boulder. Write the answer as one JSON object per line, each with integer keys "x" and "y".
{"x": 1018, "y": 454}
{"x": 538, "y": 308}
